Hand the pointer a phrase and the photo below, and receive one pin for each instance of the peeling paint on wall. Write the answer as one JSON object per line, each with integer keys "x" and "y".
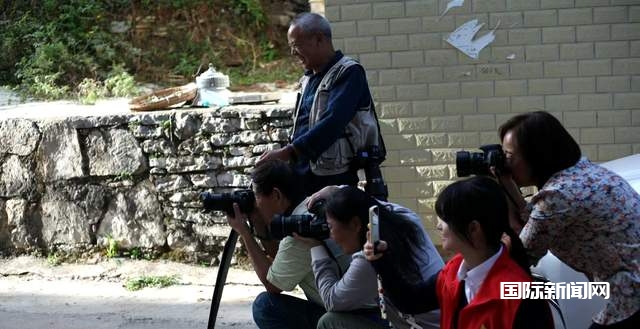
{"x": 462, "y": 38}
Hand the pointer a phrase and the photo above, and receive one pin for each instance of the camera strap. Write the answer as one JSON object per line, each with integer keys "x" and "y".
{"x": 255, "y": 233}
{"x": 333, "y": 257}
{"x": 383, "y": 147}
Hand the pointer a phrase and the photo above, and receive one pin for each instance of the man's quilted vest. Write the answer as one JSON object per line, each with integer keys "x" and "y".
{"x": 361, "y": 131}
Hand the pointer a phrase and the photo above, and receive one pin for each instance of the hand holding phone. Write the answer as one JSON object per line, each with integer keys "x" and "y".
{"x": 374, "y": 225}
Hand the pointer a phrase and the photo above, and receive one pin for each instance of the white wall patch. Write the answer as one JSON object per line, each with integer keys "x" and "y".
{"x": 462, "y": 38}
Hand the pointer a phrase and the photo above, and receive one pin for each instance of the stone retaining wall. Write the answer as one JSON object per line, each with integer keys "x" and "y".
{"x": 76, "y": 184}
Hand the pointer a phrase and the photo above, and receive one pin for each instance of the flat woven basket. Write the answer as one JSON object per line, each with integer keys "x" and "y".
{"x": 161, "y": 99}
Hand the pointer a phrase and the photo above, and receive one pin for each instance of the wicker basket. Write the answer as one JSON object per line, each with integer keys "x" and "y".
{"x": 164, "y": 98}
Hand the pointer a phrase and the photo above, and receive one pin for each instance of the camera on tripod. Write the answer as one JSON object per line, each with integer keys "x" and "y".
{"x": 478, "y": 163}
{"x": 313, "y": 225}
{"x": 369, "y": 159}
{"x": 245, "y": 199}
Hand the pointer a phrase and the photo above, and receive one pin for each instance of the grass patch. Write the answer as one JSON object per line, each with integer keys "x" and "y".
{"x": 112, "y": 249}
{"x": 53, "y": 259}
{"x": 161, "y": 281}
{"x": 284, "y": 70}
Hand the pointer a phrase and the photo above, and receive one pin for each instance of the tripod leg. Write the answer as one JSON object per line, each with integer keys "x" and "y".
{"x": 223, "y": 269}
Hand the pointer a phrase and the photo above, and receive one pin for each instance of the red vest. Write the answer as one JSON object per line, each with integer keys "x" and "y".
{"x": 486, "y": 309}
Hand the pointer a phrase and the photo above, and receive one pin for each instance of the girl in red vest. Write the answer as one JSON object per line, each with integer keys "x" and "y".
{"x": 473, "y": 218}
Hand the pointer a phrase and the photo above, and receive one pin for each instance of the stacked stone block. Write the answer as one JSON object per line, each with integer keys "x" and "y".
{"x": 76, "y": 184}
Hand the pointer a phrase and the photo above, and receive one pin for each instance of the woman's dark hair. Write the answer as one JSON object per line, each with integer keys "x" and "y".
{"x": 546, "y": 146}
{"x": 481, "y": 199}
{"x": 403, "y": 237}
{"x": 276, "y": 173}
{"x": 349, "y": 202}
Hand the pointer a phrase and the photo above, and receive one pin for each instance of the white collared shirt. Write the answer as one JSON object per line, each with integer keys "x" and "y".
{"x": 474, "y": 277}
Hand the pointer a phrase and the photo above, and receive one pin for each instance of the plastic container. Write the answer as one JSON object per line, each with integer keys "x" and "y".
{"x": 212, "y": 88}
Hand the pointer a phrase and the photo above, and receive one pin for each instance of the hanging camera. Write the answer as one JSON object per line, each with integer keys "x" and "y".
{"x": 369, "y": 159}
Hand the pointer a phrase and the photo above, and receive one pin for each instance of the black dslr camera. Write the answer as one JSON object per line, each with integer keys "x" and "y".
{"x": 478, "y": 163}
{"x": 370, "y": 159}
{"x": 224, "y": 201}
{"x": 310, "y": 226}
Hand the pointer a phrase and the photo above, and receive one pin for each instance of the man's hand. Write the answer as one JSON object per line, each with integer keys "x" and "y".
{"x": 238, "y": 221}
{"x": 284, "y": 154}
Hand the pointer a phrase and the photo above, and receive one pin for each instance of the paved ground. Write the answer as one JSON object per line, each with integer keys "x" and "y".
{"x": 36, "y": 295}
{"x": 11, "y": 106}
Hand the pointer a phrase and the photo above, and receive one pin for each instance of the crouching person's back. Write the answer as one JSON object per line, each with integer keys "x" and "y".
{"x": 281, "y": 265}
{"x": 352, "y": 297}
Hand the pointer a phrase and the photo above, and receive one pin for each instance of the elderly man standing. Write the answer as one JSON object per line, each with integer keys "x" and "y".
{"x": 332, "y": 112}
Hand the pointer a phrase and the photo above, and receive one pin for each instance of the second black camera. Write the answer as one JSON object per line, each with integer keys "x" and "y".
{"x": 478, "y": 163}
{"x": 311, "y": 226}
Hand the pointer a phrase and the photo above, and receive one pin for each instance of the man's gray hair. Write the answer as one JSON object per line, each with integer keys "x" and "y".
{"x": 312, "y": 23}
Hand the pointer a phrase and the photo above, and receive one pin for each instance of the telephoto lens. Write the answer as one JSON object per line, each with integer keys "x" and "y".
{"x": 313, "y": 225}
{"x": 479, "y": 163}
{"x": 224, "y": 201}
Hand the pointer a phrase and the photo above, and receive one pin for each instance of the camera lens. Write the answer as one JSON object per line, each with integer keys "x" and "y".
{"x": 282, "y": 226}
{"x": 470, "y": 163}
{"x": 224, "y": 201}
{"x": 308, "y": 226}
{"x": 463, "y": 163}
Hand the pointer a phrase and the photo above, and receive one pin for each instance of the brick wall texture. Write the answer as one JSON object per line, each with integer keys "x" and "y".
{"x": 579, "y": 59}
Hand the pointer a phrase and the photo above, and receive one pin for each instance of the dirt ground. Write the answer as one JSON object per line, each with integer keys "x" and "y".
{"x": 36, "y": 295}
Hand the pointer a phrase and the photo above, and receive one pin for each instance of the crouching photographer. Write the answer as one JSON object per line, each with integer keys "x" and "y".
{"x": 285, "y": 262}
{"x": 585, "y": 214}
{"x": 473, "y": 217}
{"x": 352, "y": 298}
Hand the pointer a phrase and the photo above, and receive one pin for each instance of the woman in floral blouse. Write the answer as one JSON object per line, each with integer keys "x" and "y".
{"x": 588, "y": 216}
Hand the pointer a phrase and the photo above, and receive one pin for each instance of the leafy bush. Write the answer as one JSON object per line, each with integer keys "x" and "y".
{"x": 56, "y": 46}
{"x": 46, "y": 87}
{"x": 59, "y": 48}
{"x": 120, "y": 83}
{"x": 89, "y": 91}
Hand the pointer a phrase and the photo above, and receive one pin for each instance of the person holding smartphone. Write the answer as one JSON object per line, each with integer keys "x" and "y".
{"x": 351, "y": 298}
{"x": 473, "y": 218}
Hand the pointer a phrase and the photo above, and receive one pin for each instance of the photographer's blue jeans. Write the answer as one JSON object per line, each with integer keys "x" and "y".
{"x": 271, "y": 311}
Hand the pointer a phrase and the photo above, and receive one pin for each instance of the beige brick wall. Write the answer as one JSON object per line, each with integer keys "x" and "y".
{"x": 577, "y": 58}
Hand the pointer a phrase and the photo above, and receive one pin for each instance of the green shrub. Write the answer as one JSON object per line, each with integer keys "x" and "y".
{"x": 50, "y": 50}
{"x": 89, "y": 91}
{"x": 56, "y": 46}
{"x": 120, "y": 83}
{"x": 46, "y": 87}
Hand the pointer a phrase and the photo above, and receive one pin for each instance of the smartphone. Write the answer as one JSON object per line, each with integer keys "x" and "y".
{"x": 374, "y": 224}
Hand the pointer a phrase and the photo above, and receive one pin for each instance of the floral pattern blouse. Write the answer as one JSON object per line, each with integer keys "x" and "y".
{"x": 589, "y": 217}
